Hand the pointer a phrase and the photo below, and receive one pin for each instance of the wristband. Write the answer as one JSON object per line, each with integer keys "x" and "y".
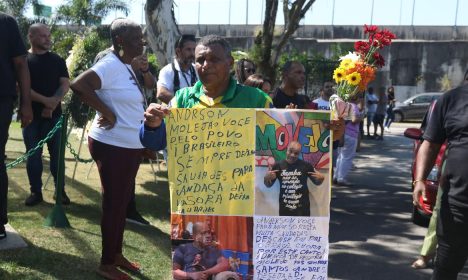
{"x": 418, "y": 180}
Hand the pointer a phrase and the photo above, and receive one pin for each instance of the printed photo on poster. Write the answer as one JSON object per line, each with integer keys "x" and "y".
{"x": 292, "y": 163}
{"x": 217, "y": 247}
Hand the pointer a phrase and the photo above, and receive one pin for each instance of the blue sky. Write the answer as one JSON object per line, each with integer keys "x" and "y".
{"x": 352, "y": 12}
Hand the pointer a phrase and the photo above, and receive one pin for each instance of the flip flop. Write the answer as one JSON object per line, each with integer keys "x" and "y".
{"x": 132, "y": 266}
{"x": 109, "y": 276}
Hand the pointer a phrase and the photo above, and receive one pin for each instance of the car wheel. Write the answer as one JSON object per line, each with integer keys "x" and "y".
{"x": 419, "y": 219}
{"x": 398, "y": 117}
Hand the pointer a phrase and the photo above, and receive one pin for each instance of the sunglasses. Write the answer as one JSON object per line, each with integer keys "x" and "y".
{"x": 250, "y": 70}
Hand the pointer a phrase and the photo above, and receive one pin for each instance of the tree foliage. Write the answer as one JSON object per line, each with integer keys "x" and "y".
{"x": 89, "y": 12}
{"x": 85, "y": 49}
{"x": 17, "y": 9}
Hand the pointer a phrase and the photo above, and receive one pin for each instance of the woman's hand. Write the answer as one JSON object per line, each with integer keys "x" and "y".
{"x": 106, "y": 122}
{"x": 338, "y": 128}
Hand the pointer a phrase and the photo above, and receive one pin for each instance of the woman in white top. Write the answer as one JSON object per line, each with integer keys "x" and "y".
{"x": 110, "y": 87}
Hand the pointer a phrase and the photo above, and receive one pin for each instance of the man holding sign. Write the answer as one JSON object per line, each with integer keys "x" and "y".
{"x": 293, "y": 174}
{"x": 216, "y": 88}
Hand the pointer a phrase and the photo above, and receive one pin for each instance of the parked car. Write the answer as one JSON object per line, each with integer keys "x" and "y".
{"x": 421, "y": 216}
{"x": 415, "y": 107}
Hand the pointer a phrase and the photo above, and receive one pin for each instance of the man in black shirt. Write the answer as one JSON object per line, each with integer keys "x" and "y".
{"x": 293, "y": 174}
{"x": 293, "y": 79}
{"x": 13, "y": 67}
{"x": 49, "y": 83}
{"x": 448, "y": 122}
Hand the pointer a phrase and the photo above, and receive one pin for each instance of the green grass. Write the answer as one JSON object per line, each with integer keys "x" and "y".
{"x": 74, "y": 253}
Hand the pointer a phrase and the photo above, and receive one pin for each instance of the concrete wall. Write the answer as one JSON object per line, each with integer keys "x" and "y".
{"x": 436, "y": 33}
{"x": 421, "y": 60}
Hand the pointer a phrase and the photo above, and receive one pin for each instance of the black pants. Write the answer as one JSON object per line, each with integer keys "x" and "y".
{"x": 452, "y": 234}
{"x": 6, "y": 112}
{"x": 131, "y": 208}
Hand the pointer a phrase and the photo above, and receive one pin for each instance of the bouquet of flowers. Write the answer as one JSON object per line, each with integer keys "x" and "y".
{"x": 357, "y": 69}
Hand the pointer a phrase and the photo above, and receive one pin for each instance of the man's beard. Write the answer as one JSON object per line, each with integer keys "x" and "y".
{"x": 44, "y": 47}
{"x": 188, "y": 60}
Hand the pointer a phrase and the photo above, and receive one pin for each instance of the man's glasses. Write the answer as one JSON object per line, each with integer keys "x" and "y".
{"x": 249, "y": 70}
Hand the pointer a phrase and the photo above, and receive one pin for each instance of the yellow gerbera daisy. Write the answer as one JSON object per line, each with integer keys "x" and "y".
{"x": 347, "y": 64}
{"x": 353, "y": 78}
{"x": 339, "y": 74}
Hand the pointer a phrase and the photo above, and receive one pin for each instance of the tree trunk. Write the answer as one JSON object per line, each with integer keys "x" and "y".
{"x": 161, "y": 29}
{"x": 266, "y": 41}
{"x": 293, "y": 12}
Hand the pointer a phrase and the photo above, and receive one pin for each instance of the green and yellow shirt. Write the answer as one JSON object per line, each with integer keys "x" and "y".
{"x": 236, "y": 96}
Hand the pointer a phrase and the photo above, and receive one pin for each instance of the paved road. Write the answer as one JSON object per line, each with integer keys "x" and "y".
{"x": 371, "y": 235}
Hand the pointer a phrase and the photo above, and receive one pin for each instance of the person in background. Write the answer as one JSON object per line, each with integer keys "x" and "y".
{"x": 146, "y": 82}
{"x": 338, "y": 126}
{"x": 13, "y": 68}
{"x": 391, "y": 105}
{"x": 180, "y": 73}
{"x": 49, "y": 84}
{"x": 371, "y": 106}
{"x": 361, "y": 104}
{"x": 347, "y": 152}
{"x": 110, "y": 88}
{"x": 292, "y": 80}
{"x": 244, "y": 68}
{"x": 323, "y": 102}
{"x": 379, "y": 115}
{"x": 145, "y": 77}
{"x": 259, "y": 81}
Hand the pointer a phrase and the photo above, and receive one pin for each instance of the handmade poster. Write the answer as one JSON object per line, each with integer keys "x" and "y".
{"x": 211, "y": 161}
{"x": 249, "y": 193}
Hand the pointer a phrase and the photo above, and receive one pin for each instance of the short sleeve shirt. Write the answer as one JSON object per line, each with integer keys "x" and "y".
{"x": 11, "y": 46}
{"x": 294, "y": 192}
{"x": 352, "y": 129}
{"x": 281, "y": 100}
{"x": 120, "y": 93}
{"x": 184, "y": 255}
{"x": 166, "y": 76}
{"x": 322, "y": 104}
{"x": 236, "y": 96}
{"x": 382, "y": 105}
{"x": 449, "y": 121}
{"x": 371, "y": 108}
{"x": 46, "y": 70}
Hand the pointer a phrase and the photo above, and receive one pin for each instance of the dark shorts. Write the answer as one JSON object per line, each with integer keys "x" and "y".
{"x": 378, "y": 118}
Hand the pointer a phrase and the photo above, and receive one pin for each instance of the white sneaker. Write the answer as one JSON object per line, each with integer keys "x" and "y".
{"x": 387, "y": 129}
